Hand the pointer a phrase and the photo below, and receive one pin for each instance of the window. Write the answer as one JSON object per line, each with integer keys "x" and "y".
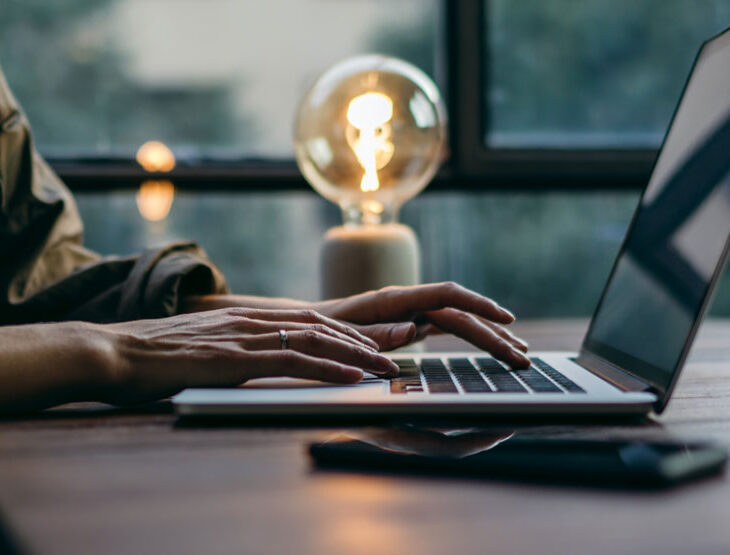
{"x": 589, "y": 74}
{"x": 209, "y": 78}
{"x": 543, "y": 96}
{"x": 219, "y": 80}
{"x": 571, "y": 94}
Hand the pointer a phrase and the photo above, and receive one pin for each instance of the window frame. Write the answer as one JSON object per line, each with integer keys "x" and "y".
{"x": 553, "y": 168}
{"x": 472, "y": 165}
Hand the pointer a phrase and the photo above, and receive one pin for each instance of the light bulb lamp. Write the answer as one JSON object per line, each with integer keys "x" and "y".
{"x": 369, "y": 135}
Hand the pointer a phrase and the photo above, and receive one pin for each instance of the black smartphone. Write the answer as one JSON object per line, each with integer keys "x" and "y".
{"x": 511, "y": 456}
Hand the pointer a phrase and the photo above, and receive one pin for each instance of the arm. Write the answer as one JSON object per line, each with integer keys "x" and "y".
{"x": 42, "y": 365}
{"x": 199, "y": 303}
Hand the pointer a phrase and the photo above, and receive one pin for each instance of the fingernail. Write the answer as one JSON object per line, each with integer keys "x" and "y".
{"x": 509, "y": 315}
{"x": 385, "y": 366}
{"x": 401, "y": 332}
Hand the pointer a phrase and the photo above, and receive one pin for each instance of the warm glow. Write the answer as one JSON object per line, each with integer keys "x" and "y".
{"x": 369, "y": 114}
{"x": 369, "y": 135}
{"x": 154, "y": 156}
{"x": 365, "y": 526}
{"x": 154, "y": 199}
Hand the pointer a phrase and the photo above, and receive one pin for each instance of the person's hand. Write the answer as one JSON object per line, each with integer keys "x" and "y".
{"x": 431, "y": 308}
{"x": 157, "y": 358}
{"x": 396, "y": 316}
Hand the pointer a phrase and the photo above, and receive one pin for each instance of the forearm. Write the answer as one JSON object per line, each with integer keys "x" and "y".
{"x": 43, "y": 365}
{"x": 199, "y": 303}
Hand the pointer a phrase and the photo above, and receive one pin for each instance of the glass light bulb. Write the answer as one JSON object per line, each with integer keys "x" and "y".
{"x": 369, "y": 135}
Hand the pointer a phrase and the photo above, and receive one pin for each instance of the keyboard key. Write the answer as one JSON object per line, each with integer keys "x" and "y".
{"x": 407, "y": 367}
{"x": 536, "y": 381}
{"x": 556, "y": 376}
{"x": 460, "y": 363}
{"x": 408, "y": 384}
{"x": 409, "y": 377}
{"x": 432, "y": 363}
{"x": 468, "y": 377}
{"x": 437, "y": 376}
{"x": 503, "y": 381}
{"x": 405, "y": 362}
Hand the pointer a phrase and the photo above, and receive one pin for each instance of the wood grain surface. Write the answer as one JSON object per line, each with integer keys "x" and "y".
{"x": 89, "y": 479}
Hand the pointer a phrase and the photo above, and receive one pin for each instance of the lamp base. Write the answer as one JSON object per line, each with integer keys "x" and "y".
{"x": 357, "y": 259}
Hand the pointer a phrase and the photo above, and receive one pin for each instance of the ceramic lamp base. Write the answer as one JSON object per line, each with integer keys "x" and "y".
{"x": 357, "y": 259}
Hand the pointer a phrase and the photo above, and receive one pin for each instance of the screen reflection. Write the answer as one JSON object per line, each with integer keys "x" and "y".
{"x": 678, "y": 236}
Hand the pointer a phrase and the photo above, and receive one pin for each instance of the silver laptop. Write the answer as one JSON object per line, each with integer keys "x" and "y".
{"x": 642, "y": 329}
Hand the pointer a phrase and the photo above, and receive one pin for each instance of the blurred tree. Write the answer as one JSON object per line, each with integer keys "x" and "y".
{"x": 71, "y": 80}
{"x": 413, "y": 41}
{"x": 590, "y": 72}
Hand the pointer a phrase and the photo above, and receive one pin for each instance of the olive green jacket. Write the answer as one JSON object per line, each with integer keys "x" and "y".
{"x": 45, "y": 272}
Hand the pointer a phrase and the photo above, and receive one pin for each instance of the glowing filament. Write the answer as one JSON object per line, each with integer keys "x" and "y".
{"x": 369, "y": 114}
{"x": 154, "y": 156}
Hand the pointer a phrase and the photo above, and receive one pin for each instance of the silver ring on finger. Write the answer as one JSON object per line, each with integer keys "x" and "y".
{"x": 284, "y": 338}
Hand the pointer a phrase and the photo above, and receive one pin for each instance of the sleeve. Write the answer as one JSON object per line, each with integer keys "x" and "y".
{"x": 45, "y": 272}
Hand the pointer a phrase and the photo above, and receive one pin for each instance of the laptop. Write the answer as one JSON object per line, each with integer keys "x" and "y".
{"x": 639, "y": 336}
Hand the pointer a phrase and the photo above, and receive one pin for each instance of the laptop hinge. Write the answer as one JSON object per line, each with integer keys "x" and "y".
{"x": 611, "y": 373}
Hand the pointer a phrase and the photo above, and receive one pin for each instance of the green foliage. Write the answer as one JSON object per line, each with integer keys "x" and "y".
{"x": 72, "y": 80}
{"x": 413, "y": 41}
{"x": 568, "y": 71}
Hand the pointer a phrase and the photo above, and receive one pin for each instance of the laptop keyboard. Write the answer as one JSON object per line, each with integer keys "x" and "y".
{"x": 482, "y": 375}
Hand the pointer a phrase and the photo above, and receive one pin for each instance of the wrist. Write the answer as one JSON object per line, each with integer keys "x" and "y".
{"x": 44, "y": 365}
{"x": 97, "y": 360}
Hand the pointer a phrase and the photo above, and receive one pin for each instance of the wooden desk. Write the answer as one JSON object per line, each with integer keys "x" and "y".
{"x": 116, "y": 482}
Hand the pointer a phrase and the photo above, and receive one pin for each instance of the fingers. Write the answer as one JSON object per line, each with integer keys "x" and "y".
{"x": 321, "y": 345}
{"x": 307, "y": 317}
{"x": 393, "y": 302}
{"x": 261, "y": 326}
{"x": 468, "y": 327}
{"x": 424, "y": 330}
{"x": 299, "y": 365}
{"x": 507, "y": 335}
{"x": 392, "y": 335}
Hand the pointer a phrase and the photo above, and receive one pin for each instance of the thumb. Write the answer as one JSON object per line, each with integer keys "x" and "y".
{"x": 390, "y": 336}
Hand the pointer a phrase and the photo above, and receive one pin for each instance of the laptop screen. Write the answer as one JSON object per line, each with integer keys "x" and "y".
{"x": 676, "y": 243}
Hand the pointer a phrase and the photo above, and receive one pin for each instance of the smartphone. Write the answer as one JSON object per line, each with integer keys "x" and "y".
{"x": 595, "y": 462}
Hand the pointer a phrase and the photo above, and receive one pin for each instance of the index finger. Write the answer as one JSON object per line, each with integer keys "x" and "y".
{"x": 469, "y": 327}
{"x": 393, "y": 302}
